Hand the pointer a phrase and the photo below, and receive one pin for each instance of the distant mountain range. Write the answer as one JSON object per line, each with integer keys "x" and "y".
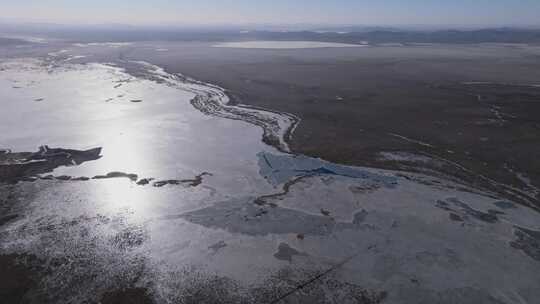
{"x": 345, "y": 34}
{"x": 11, "y": 41}
{"x": 500, "y": 35}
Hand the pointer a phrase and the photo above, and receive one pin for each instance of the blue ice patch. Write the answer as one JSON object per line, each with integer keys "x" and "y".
{"x": 280, "y": 168}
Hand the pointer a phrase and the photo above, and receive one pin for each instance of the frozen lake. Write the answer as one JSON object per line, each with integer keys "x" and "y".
{"x": 226, "y": 217}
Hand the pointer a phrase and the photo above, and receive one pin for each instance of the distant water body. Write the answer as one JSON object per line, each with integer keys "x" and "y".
{"x": 285, "y": 45}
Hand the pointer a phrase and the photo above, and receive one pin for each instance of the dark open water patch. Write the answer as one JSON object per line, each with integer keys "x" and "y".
{"x": 15, "y": 166}
{"x": 194, "y": 182}
{"x": 133, "y": 177}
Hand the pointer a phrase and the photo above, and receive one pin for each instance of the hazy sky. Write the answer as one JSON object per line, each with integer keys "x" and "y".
{"x": 377, "y": 12}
